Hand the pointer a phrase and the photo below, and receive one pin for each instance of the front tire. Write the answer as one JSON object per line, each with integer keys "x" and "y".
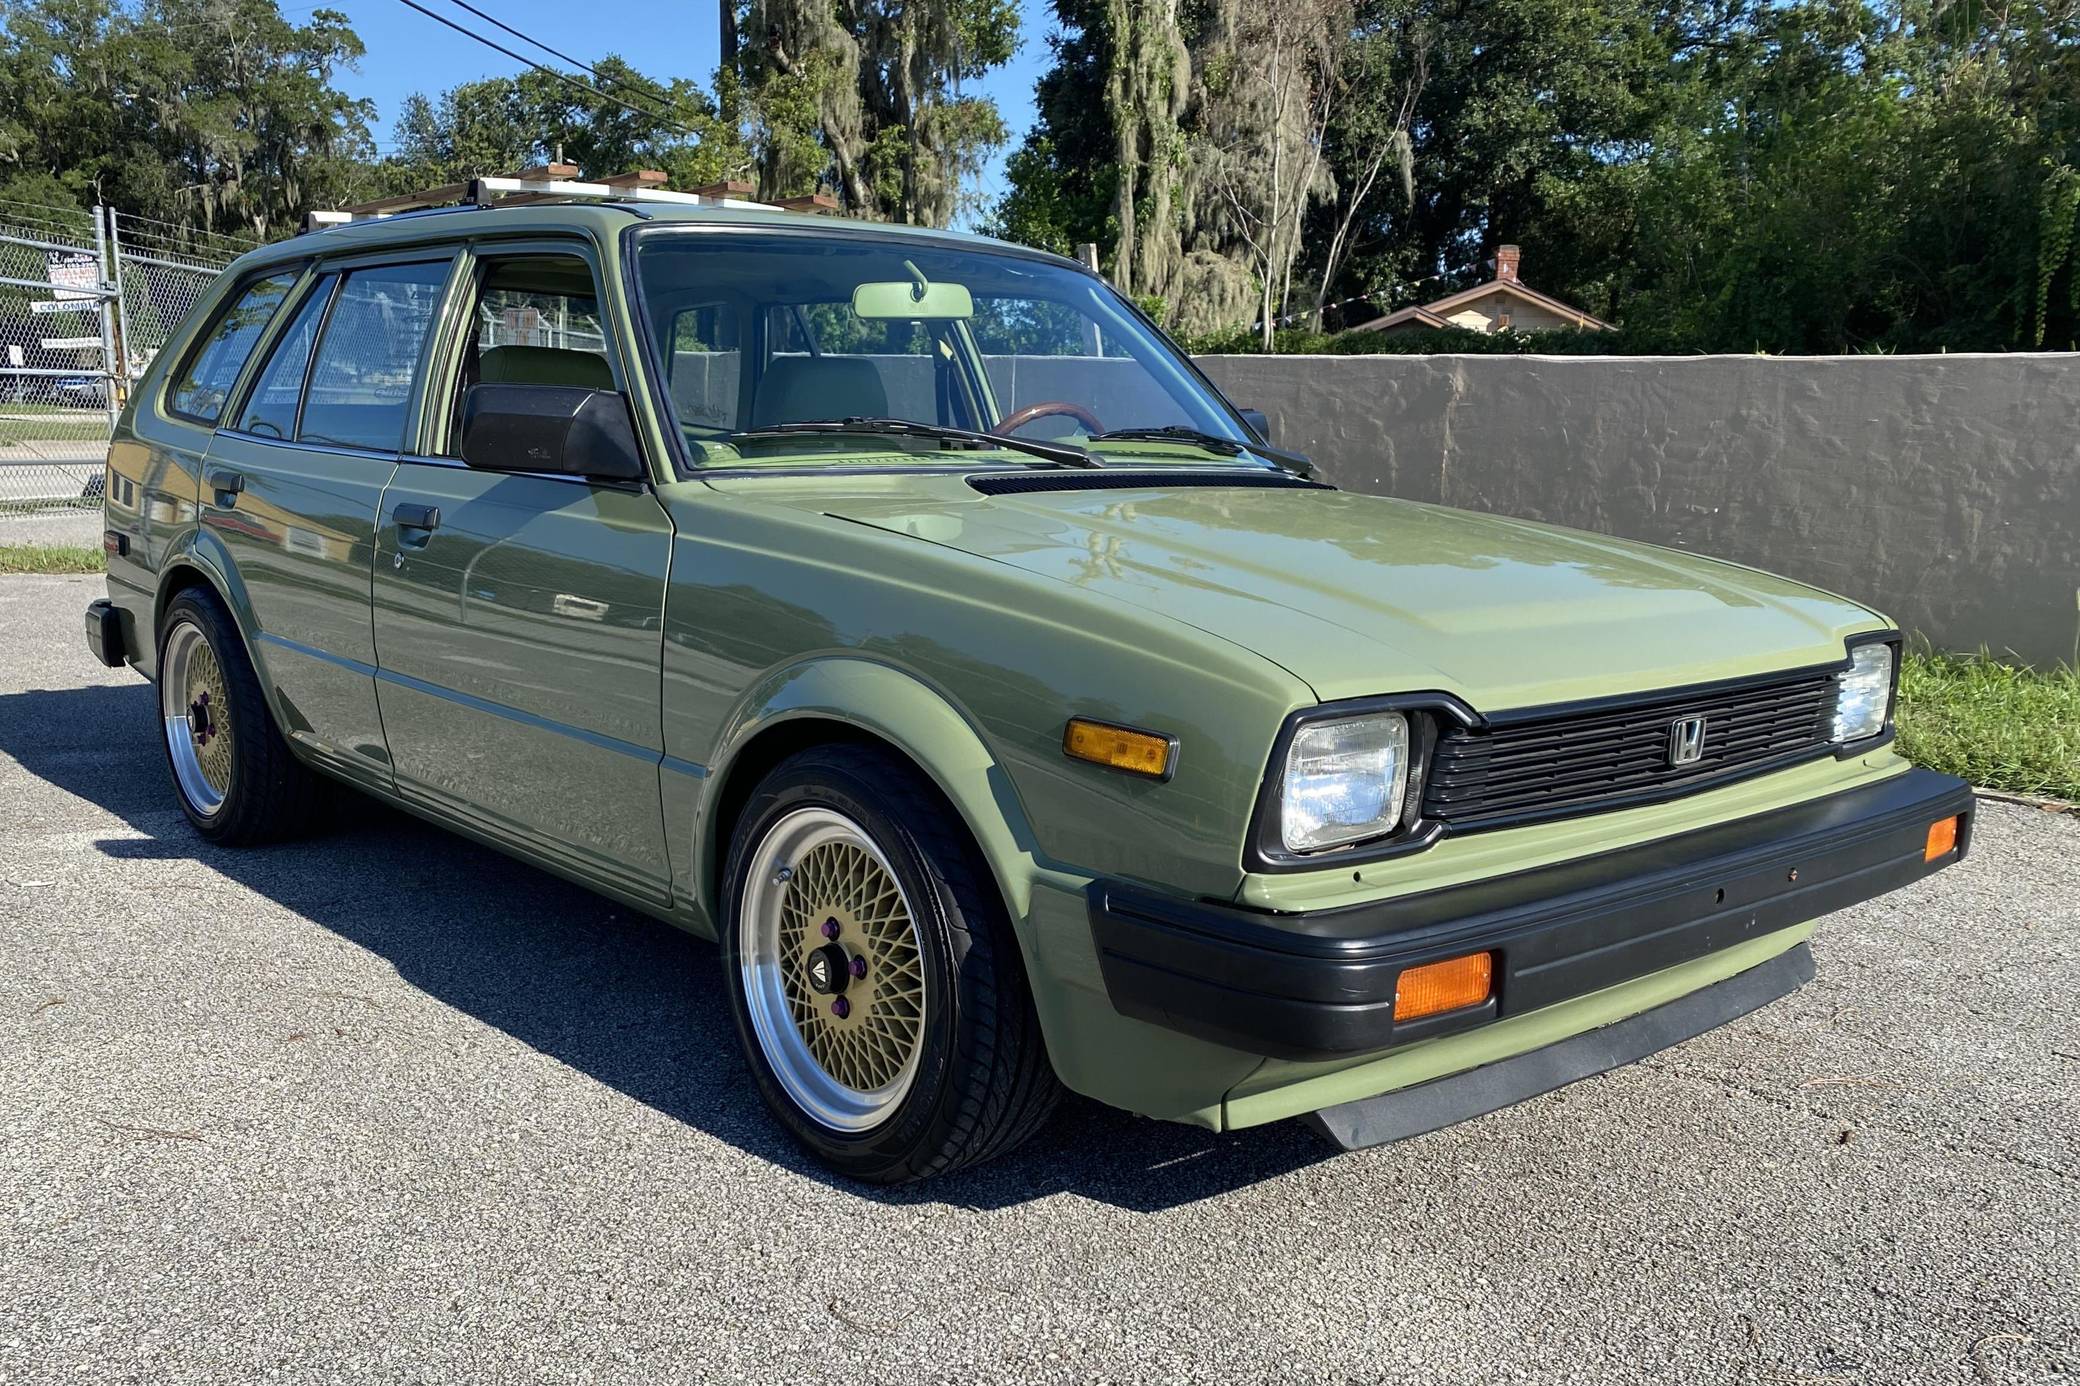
{"x": 234, "y": 774}
{"x": 873, "y": 974}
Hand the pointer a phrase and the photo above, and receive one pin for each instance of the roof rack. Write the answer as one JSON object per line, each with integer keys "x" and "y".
{"x": 561, "y": 183}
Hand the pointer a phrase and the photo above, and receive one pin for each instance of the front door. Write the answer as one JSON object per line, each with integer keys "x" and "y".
{"x": 518, "y": 617}
{"x": 291, "y": 486}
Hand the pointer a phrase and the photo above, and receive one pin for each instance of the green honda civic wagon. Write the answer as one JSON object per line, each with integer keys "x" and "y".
{"x": 902, "y": 611}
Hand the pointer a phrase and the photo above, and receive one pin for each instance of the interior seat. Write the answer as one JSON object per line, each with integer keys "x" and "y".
{"x": 534, "y": 365}
{"x": 801, "y": 389}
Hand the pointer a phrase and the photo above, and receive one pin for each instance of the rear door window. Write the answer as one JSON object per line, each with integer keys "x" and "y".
{"x": 369, "y": 355}
{"x": 213, "y": 367}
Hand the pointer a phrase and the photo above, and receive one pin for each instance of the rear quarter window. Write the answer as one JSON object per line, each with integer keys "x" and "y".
{"x": 271, "y": 405}
{"x": 204, "y": 384}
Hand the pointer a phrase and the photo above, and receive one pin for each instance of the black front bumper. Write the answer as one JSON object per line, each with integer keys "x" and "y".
{"x": 1321, "y": 985}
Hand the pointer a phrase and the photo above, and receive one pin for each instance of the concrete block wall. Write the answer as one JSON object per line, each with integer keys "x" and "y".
{"x": 1943, "y": 490}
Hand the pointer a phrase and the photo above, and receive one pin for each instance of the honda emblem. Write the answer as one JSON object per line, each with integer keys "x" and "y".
{"x": 1686, "y": 741}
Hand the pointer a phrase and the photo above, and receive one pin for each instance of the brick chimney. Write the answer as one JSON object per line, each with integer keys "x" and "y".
{"x": 1507, "y": 258}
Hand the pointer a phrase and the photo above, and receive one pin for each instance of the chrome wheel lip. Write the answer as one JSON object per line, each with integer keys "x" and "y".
{"x": 179, "y": 669}
{"x": 763, "y": 960}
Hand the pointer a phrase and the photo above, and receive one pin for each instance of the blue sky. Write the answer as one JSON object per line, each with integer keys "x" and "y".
{"x": 408, "y": 52}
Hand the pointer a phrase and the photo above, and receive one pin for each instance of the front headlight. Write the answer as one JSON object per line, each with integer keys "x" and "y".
{"x": 1863, "y": 693}
{"x": 1344, "y": 781}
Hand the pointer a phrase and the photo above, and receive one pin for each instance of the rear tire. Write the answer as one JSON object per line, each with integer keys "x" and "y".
{"x": 911, "y": 1048}
{"x": 232, "y": 770}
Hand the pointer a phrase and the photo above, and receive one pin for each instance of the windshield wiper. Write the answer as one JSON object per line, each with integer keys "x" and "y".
{"x": 1062, "y": 454}
{"x": 1212, "y": 442}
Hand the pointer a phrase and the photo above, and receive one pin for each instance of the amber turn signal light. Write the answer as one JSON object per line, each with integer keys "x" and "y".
{"x": 1450, "y": 985}
{"x": 1942, "y": 838}
{"x": 1120, "y": 748}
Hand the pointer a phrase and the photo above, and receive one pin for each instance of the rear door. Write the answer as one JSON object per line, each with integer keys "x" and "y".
{"x": 518, "y": 617}
{"x": 291, "y": 488}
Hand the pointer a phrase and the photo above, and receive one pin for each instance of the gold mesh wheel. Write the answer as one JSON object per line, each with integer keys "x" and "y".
{"x": 195, "y": 703}
{"x": 832, "y": 969}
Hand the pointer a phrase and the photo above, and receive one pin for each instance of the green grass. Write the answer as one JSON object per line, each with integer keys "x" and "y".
{"x": 50, "y": 558}
{"x": 22, "y": 406}
{"x": 53, "y": 431}
{"x": 85, "y": 505}
{"x": 1998, "y": 725}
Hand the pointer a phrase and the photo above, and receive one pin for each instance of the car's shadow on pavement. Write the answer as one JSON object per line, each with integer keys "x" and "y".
{"x": 628, "y": 1001}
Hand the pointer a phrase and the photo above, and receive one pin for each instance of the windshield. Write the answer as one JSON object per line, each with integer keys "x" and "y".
{"x": 761, "y": 331}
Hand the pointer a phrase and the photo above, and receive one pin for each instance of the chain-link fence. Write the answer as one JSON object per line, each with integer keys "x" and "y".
{"x": 160, "y": 270}
{"x": 87, "y": 299}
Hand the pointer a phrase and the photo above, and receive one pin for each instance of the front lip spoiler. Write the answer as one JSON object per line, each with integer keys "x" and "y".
{"x": 1441, "y": 1102}
{"x": 1321, "y": 985}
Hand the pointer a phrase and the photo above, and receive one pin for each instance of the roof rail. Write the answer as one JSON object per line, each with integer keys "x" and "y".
{"x": 559, "y": 183}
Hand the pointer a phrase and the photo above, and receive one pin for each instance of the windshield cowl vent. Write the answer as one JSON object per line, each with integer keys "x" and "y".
{"x": 1025, "y": 483}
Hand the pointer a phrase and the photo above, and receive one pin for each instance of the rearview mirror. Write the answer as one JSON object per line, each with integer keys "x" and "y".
{"x": 550, "y": 428}
{"x": 905, "y": 300}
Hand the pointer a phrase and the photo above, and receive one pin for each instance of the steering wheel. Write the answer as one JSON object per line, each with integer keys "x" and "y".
{"x": 1019, "y": 418}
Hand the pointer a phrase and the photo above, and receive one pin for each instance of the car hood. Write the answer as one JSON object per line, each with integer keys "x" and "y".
{"x": 1361, "y": 595}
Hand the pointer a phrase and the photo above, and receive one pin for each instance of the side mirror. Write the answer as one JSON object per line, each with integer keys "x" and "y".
{"x": 1258, "y": 423}
{"x": 550, "y": 428}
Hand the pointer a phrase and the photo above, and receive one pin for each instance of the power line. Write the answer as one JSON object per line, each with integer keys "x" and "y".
{"x": 564, "y": 77}
{"x": 649, "y": 90}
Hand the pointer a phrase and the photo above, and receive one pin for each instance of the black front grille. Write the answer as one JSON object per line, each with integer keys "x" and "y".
{"x": 1521, "y": 770}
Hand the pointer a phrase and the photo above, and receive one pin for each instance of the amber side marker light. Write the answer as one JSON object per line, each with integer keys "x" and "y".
{"x": 1942, "y": 838}
{"x": 1120, "y": 748}
{"x": 1450, "y": 985}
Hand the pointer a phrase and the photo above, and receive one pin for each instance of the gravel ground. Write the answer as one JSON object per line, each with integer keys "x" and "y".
{"x": 387, "y": 1106}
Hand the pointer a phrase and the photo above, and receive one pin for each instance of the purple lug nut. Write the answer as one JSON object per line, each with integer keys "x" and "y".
{"x": 830, "y": 928}
{"x": 841, "y": 1008}
{"x": 859, "y": 965}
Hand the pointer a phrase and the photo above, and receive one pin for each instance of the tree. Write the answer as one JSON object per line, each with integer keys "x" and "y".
{"x": 1378, "y": 78}
{"x": 1148, "y": 85}
{"x": 1062, "y": 179}
{"x": 863, "y": 97}
{"x": 1271, "y": 85}
{"x": 1789, "y": 175}
{"x": 216, "y": 114}
{"x": 502, "y": 124}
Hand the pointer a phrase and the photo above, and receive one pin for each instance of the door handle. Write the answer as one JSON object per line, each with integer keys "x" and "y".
{"x": 426, "y": 517}
{"x": 227, "y": 485}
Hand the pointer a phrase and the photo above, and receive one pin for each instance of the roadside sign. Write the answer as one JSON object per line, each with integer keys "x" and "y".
{"x": 73, "y": 269}
{"x": 70, "y": 343}
{"x": 14, "y": 353}
{"x": 525, "y": 327}
{"x": 65, "y": 305}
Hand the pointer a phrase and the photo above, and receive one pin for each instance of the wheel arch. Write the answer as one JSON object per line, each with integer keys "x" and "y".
{"x": 199, "y": 561}
{"x": 863, "y": 702}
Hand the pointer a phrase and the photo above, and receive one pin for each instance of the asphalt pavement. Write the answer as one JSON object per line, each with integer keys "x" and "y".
{"x": 383, "y": 1105}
